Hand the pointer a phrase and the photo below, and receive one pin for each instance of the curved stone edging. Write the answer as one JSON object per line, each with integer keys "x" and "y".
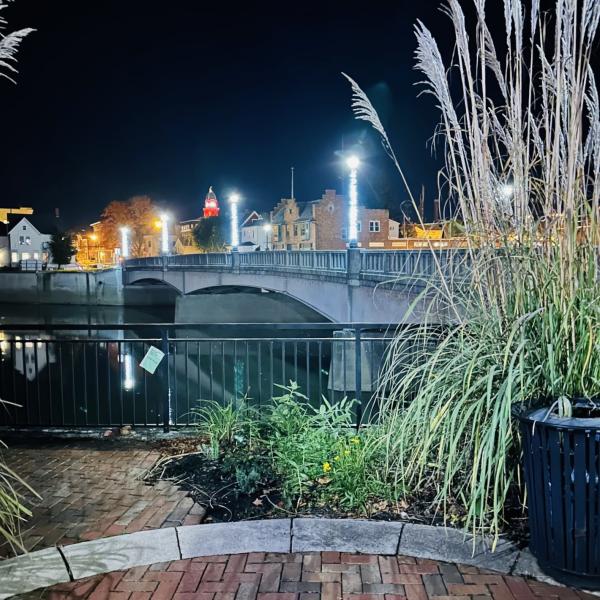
{"x": 51, "y": 566}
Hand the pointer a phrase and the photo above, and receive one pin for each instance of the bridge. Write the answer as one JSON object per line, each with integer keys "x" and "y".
{"x": 351, "y": 285}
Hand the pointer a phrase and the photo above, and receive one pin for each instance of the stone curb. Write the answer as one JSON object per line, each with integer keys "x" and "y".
{"x": 51, "y": 566}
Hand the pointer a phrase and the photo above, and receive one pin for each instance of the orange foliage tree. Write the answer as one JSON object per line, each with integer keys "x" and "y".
{"x": 139, "y": 214}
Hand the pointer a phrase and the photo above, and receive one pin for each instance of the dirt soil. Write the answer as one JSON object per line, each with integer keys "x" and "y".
{"x": 212, "y": 484}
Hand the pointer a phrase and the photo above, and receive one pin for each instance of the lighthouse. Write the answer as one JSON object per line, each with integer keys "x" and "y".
{"x": 211, "y": 204}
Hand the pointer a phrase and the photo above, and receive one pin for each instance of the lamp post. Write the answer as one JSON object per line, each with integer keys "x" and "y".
{"x": 125, "y": 242}
{"x": 164, "y": 233}
{"x": 268, "y": 229}
{"x": 353, "y": 163}
{"x": 235, "y": 235}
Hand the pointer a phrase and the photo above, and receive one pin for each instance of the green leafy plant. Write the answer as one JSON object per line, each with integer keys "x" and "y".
{"x": 224, "y": 425}
{"x": 320, "y": 458}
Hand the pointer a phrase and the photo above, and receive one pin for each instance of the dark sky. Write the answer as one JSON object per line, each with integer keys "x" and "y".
{"x": 125, "y": 97}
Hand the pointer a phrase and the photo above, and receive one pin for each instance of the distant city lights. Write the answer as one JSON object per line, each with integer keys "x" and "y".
{"x": 353, "y": 162}
{"x": 125, "y": 242}
{"x": 235, "y": 235}
{"x": 164, "y": 233}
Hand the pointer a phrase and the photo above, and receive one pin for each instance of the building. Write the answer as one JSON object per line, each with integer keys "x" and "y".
{"x": 323, "y": 225}
{"x": 91, "y": 249}
{"x": 22, "y": 210}
{"x": 211, "y": 205}
{"x": 256, "y": 232}
{"x": 185, "y": 242}
{"x": 27, "y": 238}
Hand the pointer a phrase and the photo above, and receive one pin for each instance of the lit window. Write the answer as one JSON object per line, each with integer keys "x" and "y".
{"x": 14, "y": 257}
{"x": 25, "y": 256}
{"x": 374, "y": 226}
{"x": 36, "y": 255}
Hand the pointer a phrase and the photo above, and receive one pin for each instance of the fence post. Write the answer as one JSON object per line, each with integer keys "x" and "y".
{"x": 358, "y": 376}
{"x": 166, "y": 409}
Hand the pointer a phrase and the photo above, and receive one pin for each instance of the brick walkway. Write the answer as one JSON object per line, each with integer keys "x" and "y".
{"x": 92, "y": 489}
{"x": 311, "y": 576}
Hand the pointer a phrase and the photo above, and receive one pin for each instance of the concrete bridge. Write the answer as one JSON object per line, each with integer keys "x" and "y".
{"x": 351, "y": 285}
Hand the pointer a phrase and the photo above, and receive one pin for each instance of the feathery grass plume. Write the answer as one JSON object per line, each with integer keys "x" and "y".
{"x": 521, "y": 133}
{"x": 9, "y": 45}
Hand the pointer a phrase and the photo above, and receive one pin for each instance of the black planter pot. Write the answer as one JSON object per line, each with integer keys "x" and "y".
{"x": 562, "y": 474}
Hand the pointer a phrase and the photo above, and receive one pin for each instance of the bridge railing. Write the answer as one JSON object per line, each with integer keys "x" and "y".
{"x": 355, "y": 263}
{"x": 412, "y": 262}
{"x": 209, "y": 259}
{"x": 316, "y": 260}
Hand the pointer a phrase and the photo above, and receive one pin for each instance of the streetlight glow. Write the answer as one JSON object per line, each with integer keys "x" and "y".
{"x": 164, "y": 233}
{"x": 124, "y": 242}
{"x": 268, "y": 229}
{"x": 353, "y": 162}
{"x": 235, "y": 236}
{"x": 507, "y": 190}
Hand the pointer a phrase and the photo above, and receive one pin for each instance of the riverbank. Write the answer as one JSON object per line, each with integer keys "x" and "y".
{"x": 96, "y": 288}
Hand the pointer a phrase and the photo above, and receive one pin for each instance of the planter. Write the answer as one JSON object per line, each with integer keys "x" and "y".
{"x": 562, "y": 474}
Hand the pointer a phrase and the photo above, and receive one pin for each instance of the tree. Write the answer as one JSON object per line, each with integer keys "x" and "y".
{"x": 211, "y": 234}
{"x": 139, "y": 214}
{"x": 62, "y": 248}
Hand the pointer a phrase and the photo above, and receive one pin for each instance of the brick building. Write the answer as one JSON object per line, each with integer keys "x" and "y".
{"x": 323, "y": 225}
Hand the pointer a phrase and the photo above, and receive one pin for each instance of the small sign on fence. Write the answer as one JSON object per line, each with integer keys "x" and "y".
{"x": 152, "y": 359}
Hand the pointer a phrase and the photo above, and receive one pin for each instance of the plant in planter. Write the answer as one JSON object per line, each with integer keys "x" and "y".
{"x": 521, "y": 132}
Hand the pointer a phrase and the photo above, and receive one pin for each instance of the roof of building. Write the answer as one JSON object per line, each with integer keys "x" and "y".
{"x": 44, "y": 223}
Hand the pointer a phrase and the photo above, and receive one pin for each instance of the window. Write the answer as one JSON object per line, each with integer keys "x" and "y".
{"x": 14, "y": 257}
{"x": 358, "y": 227}
{"x": 24, "y": 227}
{"x": 36, "y": 255}
{"x": 24, "y": 240}
{"x": 374, "y": 226}
{"x": 25, "y": 256}
{"x": 344, "y": 233}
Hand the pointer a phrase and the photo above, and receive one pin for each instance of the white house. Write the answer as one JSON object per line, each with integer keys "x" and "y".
{"x": 256, "y": 232}
{"x": 23, "y": 241}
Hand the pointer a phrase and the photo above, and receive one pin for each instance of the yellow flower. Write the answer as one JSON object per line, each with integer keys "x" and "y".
{"x": 326, "y": 467}
{"x": 355, "y": 440}
{"x": 336, "y": 458}
{"x": 346, "y": 452}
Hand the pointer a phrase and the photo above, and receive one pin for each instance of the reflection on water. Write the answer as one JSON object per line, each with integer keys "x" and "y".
{"x": 92, "y": 377}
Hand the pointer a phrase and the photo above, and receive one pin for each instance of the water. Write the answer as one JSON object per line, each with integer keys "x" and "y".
{"x": 92, "y": 377}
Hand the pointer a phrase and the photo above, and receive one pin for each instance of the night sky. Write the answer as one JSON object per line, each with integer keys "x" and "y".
{"x": 125, "y": 97}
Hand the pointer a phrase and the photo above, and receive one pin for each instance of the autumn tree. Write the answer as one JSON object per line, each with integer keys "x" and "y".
{"x": 139, "y": 214}
{"x": 211, "y": 234}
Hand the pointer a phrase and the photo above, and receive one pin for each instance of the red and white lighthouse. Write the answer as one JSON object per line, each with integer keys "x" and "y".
{"x": 211, "y": 204}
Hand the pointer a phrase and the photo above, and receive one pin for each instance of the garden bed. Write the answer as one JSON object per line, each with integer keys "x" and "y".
{"x": 214, "y": 485}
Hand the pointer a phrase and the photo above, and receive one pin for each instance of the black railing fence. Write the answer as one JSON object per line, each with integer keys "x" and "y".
{"x": 90, "y": 375}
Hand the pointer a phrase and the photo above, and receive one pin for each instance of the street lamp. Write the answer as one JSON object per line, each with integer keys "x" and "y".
{"x": 507, "y": 190}
{"x": 353, "y": 162}
{"x": 235, "y": 235}
{"x": 268, "y": 229}
{"x": 164, "y": 233}
{"x": 125, "y": 242}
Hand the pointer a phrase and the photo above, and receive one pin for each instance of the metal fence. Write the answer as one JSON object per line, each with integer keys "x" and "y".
{"x": 90, "y": 376}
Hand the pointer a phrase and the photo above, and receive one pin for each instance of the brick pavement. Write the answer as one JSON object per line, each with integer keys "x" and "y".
{"x": 309, "y": 576}
{"x": 92, "y": 489}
